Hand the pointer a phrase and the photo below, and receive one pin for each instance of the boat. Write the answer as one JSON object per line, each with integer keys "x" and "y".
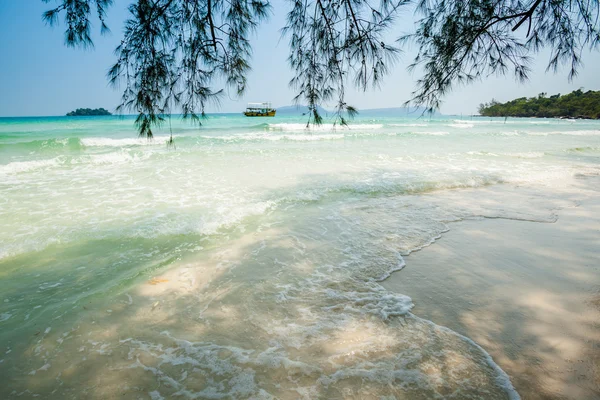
{"x": 260, "y": 110}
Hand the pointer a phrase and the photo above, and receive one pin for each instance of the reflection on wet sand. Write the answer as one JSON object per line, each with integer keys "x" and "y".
{"x": 276, "y": 313}
{"x": 524, "y": 291}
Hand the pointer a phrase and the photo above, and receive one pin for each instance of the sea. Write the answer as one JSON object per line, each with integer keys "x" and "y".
{"x": 245, "y": 259}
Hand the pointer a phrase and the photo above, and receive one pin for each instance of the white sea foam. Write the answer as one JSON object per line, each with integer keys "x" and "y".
{"x": 482, "y": 121}
{"x": 530, "y": 154}
{"x": 432, "y": 133}
{"x": 26, "y": 166}
{"x": 565, "y": 132}
{"x": 113, "y": 158}
{"x": 155, "y": 395}
{"x": 374, "y": 354}
{"x": 323, "y": 127}
{"x": 17, "y": 167}
{"x": 510, "y": 133}
{"x": 550, "y": 133}
{"x": 278, "y": 137}
{"x": 378, "y": 302}
{"x": 304, "y": 138}
{"x": 462, "y": 125}
{"x": 408, "y": 125}
{"x": 502, "y": 379}
{"x": 48, "y": 285}
{"x": 109, "y": 142}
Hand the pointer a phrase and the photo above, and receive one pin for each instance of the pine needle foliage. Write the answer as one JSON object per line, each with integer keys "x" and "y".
{"x": 336, "y": 41}
{"x": 174, "y": 51}
{"x": 460, "y": 41}
{"x": 77, "y": 19}
{"x": 171, "y": 52}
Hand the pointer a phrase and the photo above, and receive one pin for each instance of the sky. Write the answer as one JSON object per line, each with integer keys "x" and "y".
{"x": 39, "y": 75}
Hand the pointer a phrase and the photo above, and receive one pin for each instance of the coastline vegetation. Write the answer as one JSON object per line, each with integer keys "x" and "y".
{"x": 577, "y": 104}
{"x": 86, "y": 112}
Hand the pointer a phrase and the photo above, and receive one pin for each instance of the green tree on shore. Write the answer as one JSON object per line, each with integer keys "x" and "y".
{"x": 174, "y": 50}
{"x": 577, "y": 104}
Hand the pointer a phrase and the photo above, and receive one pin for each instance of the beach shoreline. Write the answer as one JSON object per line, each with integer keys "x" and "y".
{"x": 249, "y": 261}
{"x": 527, "y": 292}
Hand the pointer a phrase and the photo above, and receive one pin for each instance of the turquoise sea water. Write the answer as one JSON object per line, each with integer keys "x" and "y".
{"x": 244, "y": 261}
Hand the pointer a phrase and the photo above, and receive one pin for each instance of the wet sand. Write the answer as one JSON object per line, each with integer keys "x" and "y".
{"x": 527, "y": 292}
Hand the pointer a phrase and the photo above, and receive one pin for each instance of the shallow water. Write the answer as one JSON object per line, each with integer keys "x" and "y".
{"x": 245, "y": 261}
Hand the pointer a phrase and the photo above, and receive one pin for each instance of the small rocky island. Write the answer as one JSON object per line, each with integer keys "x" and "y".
{"x": 88, "y": 112}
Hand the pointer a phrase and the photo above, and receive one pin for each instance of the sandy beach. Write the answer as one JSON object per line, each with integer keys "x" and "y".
{"x": 527, "y": 292}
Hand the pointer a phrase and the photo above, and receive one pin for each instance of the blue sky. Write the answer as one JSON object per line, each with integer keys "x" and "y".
{"x": 39, "y": 75}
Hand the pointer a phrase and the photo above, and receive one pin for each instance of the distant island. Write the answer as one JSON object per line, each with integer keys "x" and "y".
{"x": 86, "y": 112}
{"x": 577, "y": 104}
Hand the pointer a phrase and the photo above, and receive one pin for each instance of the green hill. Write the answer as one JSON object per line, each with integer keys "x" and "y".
{"x": 577, "y": 104}
{"x": 86, "y": 112}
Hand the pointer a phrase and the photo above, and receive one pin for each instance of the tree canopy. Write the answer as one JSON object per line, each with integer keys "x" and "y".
{"x": 577, "y": 104}
{"x": 173, "y": 52}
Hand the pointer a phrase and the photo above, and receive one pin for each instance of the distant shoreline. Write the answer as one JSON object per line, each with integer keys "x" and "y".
{"x": 575, "y": 105}
{"x": 581, "y": 117}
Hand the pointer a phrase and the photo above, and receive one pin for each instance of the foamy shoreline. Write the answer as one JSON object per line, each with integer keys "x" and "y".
{"x": 247, "y": 260}
{"x": 527, "y": 292}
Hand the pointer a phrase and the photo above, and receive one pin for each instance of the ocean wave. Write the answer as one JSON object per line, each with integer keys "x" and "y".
{"x": 408, "y": 125}
{"x": 502, "y": 379}
{"x": 480, "y": 120}
{"x": 385, "y": 188}
{"x": 269, "y": 137}
{"x": 16, "y": 167}
{"x": 78, "y": 144}
{"x": 110, "y": 142}
{"x": 511, "y": 133}
{"x": 46, "y": 145}
{"x": 569, "y": 133}
{"x": 323, "y": 127}
{"x": 309, "y": 136}
{"x": 260, "y": 132}
{"x": 383, "y": 358}
{"x": 152, "y": 225}
{"x": 230, "y": 212}
{"x": 207, "y": 224}
{"x": 527, "y": 154}
{"x": 113, "y": 158}
{"x": 518, "y": 132}
{"x": 369, "y": 332}
{"x": 513, "y": 120}
{"x": 433, "y": 133}
{"x": 461, "y": 124}
{"x": 583, "y": 149}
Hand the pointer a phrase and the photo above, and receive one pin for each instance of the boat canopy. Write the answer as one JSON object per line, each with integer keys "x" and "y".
{"x": 259, "y": 105}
